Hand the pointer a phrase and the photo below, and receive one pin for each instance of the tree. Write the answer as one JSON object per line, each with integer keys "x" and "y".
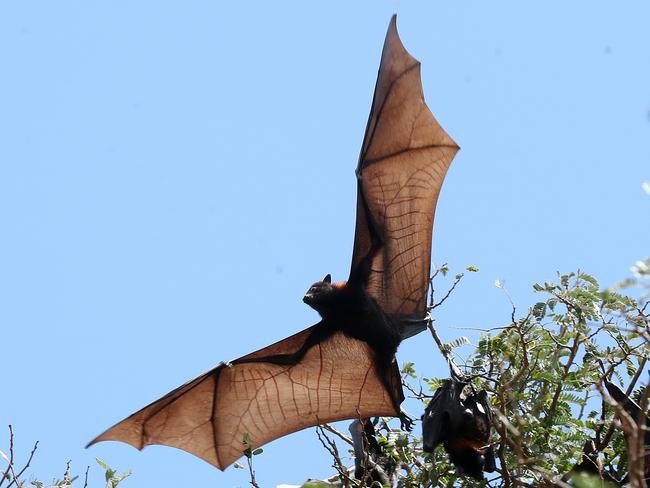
{"x": 544, "y": 371}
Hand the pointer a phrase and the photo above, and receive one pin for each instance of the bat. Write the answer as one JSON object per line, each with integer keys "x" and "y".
{"x": 591, "y": 464}
{"x": 344, "y": 366}
{"x": 636, "y": 418}
{"x": 370, "y": 460}
{"x": 589, "y": 461}
{"x": 462, "y": 424}
{"x": 632, "y": 409}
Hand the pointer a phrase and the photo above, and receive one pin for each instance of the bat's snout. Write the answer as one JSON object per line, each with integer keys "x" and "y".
{"x": 308, "y": 298}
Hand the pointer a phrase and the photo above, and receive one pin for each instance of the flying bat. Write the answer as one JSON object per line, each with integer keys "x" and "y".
{"x": 344, "y": 366}
{"x": 462, "y": 424}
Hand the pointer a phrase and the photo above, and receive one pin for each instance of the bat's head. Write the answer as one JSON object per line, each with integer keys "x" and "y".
{"x": 319, "y": 293}
{"x": 468, "y": 462}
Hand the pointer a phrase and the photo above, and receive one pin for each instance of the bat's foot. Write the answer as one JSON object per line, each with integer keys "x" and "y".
{"x": 226, "y": 364}
{"x": 406, "y": 422}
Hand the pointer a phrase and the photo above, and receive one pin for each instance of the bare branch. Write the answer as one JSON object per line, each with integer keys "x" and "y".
{"x": 330, "y": 446}
{"x": 337, "y": 433}
{"x": 432, "y": 305}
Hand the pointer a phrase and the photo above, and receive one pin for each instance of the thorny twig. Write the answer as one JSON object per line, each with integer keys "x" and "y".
{"x": 10, "y": 473}
{"x": 253, "y": 482}
{"x": 524, "y": 351}
{"x": 330, "y": 446}
{"x": 337, "y": 433}
{"x": 433, "y": 305}
{"x": 417, "y": 395}
{"x": 567, "y": 368}
{"x": 436, "y": 338}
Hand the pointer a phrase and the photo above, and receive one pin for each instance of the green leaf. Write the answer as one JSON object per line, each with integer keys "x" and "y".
{"x": 247, "y": 439}
{"x": 589, "y": 279}
{"x": 409, "y": 370}
{"x": 539, "y": 310}
{"x": 572, "y": 398}
{"x": 258, "y": 451}
{"x": 461, "y": 341}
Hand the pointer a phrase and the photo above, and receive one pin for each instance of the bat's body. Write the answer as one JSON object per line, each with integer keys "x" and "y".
{"x": 463, "y": 425}
{"x": 343, "y": 367}
{"x": 346, "y": 308}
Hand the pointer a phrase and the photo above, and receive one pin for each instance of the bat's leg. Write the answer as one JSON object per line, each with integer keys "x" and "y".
{"x": 392, "y": 380}
{"x": 390, "y": 377}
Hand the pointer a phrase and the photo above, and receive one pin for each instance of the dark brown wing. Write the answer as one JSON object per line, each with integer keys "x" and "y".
{"x": 209, "y": 415}
{"x": 403, "y": 161}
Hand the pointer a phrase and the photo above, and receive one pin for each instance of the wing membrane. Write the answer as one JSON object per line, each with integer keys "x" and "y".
{"x": 209, "y": 416}
{"x": 404, "y": 158}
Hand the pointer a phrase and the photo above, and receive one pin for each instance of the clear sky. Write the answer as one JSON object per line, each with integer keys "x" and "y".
{"x": 173, "y": 176}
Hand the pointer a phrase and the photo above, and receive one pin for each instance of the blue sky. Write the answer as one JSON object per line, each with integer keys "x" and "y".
{"x": 173, "y": 176}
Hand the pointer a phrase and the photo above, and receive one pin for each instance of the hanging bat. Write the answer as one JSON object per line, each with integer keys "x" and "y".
{"x": 371, "y": 462}
{"x": 589, "y": 461}
{"x": 633, "y": 410}
{"x": 343, "y": 367}
{"x": 462, "y": 424}
{"x": 591, "y": 464}
{"x": 632, "y": 418}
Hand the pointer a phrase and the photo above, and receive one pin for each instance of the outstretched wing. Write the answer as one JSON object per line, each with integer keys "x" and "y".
{"x": 209, "y": 416}
{"x": 403, "y": 161}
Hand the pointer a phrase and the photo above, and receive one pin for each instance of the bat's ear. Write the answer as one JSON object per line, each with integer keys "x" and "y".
{"x": 327, "y": 279}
